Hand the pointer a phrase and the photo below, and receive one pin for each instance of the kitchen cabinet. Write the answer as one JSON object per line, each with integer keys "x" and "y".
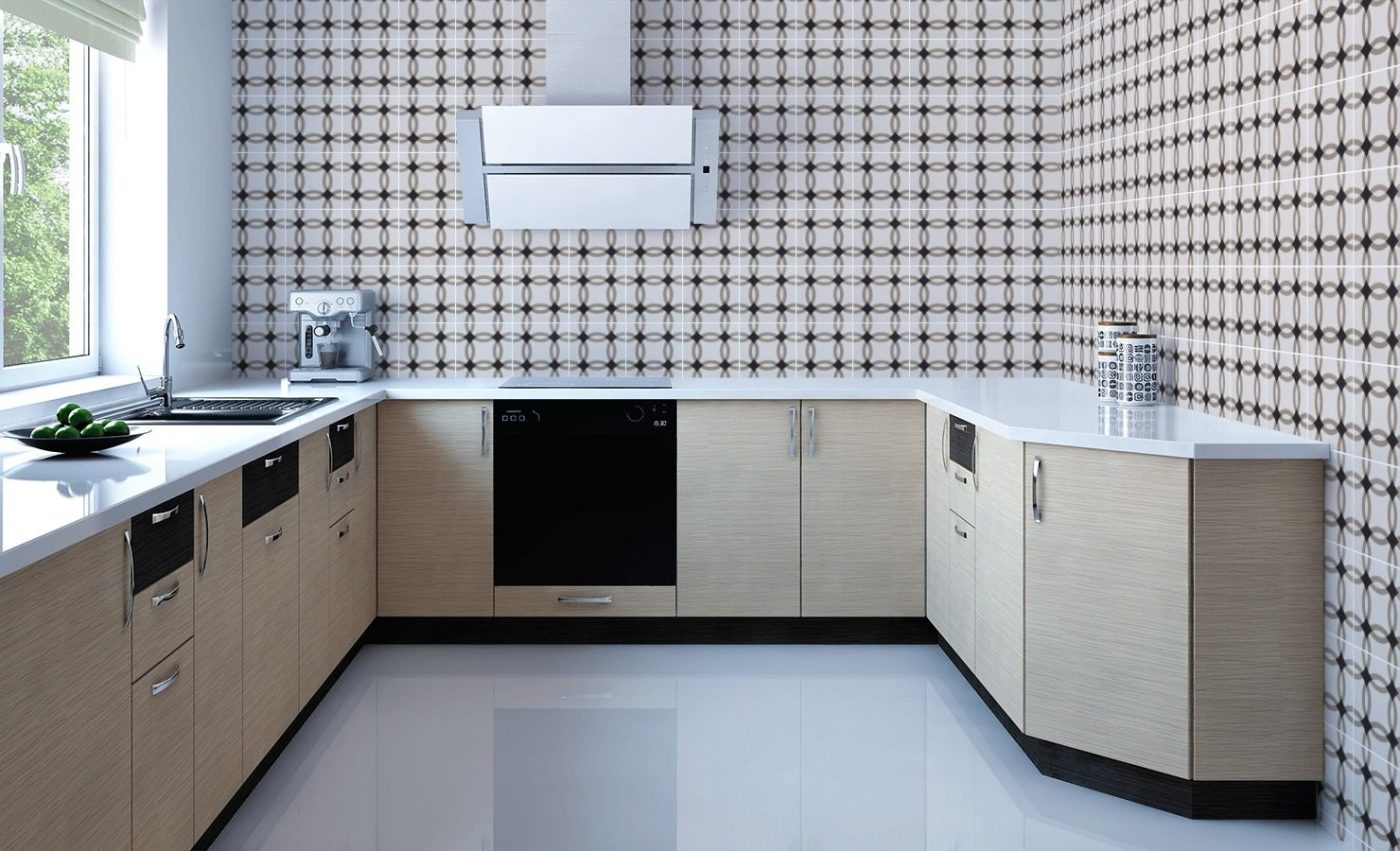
{"x": 270, "y": 624}
{"x": 862, "y": 508}
{"x": 1108, "y": 590}
{"x": 436, "y": 512}
{"x": 218, "y": 647}
{"x": 314, "y": 563}
{"x": 937, "y": 531}
{"x": 1000, "y": 576}
{"x": 341, "y": 446}
{"x": 65, "y": 699}
{"x": 351, "y": 584}
{"x": 162, "y": 619}
{"x": 959, "y": 627}
{"x": 162, "y": 754}
{"x": 738, "y": 509}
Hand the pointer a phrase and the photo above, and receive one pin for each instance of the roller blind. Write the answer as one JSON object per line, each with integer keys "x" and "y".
{"x": 112, "y": 26}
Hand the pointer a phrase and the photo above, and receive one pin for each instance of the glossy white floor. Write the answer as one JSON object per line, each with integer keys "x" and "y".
{"x": 692, "y": 748}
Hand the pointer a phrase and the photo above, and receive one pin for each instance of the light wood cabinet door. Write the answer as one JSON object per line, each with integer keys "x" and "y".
{"x": 162, "y": 755}
{"x": 1108, "y": 592}
{"x": 738, "y": 510}
{"x": 862, "y": 509}
{"x": 938, "y": 545}
{"x": 270, "y": 622}
{"x": 65, "y": 700}
{"x": 314, "y": 498}
{"x": 218, "y": 647}
{"x": 352, "y": 586}
{"x": 367, "y": 510}
{"x": 435, "y": 509}
{"x": 960, "y": 628}
{"x": 1000, "y": 591}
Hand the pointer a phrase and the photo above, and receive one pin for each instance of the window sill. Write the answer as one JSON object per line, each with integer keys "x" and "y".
{"x": 31, "y": 404}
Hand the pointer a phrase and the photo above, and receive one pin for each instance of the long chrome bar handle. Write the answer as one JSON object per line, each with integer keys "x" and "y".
{"x": 165, "y": 683}
{"x": 355, "y": 441}
{"x": 792, "y": 432}
{"x": 811, "y": 432}
{"x": 484, "y": 422}
{"x": 130, "y": 580}
{"x": 204, "y": 512}
{"x": 330, "y": 458}
{"x": 587, "y": 601}
{"x": 976, "y": 460}
{"x": 943, "y": 442}
{"x": 1035, "y": 489}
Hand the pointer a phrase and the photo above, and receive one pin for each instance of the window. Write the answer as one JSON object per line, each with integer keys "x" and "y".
{"x": 47, "y": 140}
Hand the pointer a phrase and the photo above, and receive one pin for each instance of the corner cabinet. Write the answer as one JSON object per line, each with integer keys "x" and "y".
{"x": 436, "y": 517}
{"x": 862, "y": 508}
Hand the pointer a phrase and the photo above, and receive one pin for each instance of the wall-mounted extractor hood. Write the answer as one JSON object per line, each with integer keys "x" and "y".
{"x": 589, "y": 160}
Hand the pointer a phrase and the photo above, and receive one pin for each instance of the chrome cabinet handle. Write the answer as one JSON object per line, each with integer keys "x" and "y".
{"x": 960, "y": 533}
{"x": 330, "y": 459}
{"x": 130, "y": 580}
{"x": 355, "y": 443}
{"x": 162, "y": 516}
{"x": 161, "y": 599}
{"x": 269, "y": 462}
{"x": 343, "y": 532}
{"x": 484, "y": 418}
{"x": 204, "y": 512}
{"x": 587, "y": 601}
{"x": 811, "y": 432}
{"x": 792, "y": 432}
{"x": 961, "y": 479}
{"x": 1035, "y": 489}
{"x": 165, "y": 683}
{"x": 274, "y": 537}
{"x": 341, "y": 426}
{"x": 943, "y": 442}
{"x": 976, "y": 460}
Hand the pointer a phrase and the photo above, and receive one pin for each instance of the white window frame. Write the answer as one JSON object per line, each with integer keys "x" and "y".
{"x": 82, "y": 260}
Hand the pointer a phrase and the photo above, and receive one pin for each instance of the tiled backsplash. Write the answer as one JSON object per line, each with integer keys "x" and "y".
{"x": 891, "y": 202}
{"x": 888, "y": 191}
{"x": 1231, "y": 180}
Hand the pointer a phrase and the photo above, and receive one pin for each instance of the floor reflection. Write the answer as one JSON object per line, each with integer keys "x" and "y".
{"x": 694, "y": 748}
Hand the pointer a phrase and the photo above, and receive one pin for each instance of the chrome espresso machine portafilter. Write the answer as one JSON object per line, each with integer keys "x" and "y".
{"x": 337, "y": 339}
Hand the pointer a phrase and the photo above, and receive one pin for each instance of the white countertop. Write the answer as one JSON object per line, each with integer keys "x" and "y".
{"x": 49, "y": 503}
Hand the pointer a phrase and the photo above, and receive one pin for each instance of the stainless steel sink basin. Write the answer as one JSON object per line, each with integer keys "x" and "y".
{"x": 189, "y": 410}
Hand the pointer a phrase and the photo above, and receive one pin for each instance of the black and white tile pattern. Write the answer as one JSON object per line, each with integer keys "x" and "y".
{"x": 888, "y": 190}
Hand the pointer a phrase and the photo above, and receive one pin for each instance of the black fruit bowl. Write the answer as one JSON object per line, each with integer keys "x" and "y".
{"x": 74, "y": 445}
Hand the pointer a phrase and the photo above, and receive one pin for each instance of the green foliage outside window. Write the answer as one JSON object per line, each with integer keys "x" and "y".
{"x": 36, "y": 118}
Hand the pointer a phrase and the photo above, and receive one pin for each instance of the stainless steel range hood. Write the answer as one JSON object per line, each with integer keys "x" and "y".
{"x": 589, "y": 159}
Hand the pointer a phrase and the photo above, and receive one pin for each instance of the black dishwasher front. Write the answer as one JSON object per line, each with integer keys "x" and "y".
{"x": 585, "y": 492}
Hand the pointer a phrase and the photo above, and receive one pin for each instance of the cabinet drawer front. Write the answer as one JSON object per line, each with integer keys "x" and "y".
{"x": 270, "y": 630}
{"x": 162, "y": 539}
{"x": 162, "y": 619}
{"x": 961, "y": 629}
{"x": 269, "y": 481}
{"x": 162, "y": 754}
{"x": 962, "y": 493}
{"x": 634, "y": 601}
{"x": 343, "y": 442}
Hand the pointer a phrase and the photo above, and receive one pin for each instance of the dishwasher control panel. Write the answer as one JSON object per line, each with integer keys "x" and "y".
{"x": 553, "y": 416}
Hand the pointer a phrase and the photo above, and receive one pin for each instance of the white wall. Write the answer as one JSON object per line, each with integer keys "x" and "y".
{"x": 166, "y": 184}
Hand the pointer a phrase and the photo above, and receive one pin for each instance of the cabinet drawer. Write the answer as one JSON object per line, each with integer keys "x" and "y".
{"x": 162, "y": 619}
{"x": 961, "y": 628}
{"x": 162, "y": 539}
{"x": 269, "y": 481}
{"x": 631, "y": 601}
{"x": 962, "y": 492}
{"x": 270, "y": 630}
{"x": 162, "y": 754}
{"x": 343, "y": 442}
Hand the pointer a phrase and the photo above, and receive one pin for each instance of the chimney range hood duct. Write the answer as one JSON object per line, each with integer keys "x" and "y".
{"x": 589, "y": 160}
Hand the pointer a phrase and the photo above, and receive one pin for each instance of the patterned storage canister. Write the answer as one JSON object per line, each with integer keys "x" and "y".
{"x": 1106, "y": 375}
{"x": 1138, "y": 356}
{"x": 1107, "y": 331}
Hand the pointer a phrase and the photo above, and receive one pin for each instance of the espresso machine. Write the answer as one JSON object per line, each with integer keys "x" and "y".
{"x": 336, "y": 335}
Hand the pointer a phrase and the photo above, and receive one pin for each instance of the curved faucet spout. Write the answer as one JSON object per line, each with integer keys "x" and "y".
{"x": 167, "y": 381}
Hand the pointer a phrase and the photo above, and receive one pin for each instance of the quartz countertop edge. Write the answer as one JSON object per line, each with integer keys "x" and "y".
{"x": 44, "y": 509}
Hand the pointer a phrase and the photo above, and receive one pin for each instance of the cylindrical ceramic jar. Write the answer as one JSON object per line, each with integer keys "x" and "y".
{"x": 1138, "y": 364}
{"x": 1107, "y": 331}
{"x": 1106, "y": 375}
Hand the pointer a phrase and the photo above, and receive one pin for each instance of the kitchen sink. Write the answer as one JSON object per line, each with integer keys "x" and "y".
{"x": 189, "y": 410}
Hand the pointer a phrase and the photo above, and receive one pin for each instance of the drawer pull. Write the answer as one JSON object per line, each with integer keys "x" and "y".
{"x": 343, "y": 532}
{"x": 962, "y": 480}
{"x": 792, "y": 432}
{"x": 162, "y": 516}
{"x": 342, "y": 478}
{"x": 161, "y": 599}
{"x": 273, "y": 538}
{"x": 811, "y": 432}
{"x": 272, "y": 462}
{"x": 961, "y": 533}
{"x": 165, "y": 683}
{"x": 341, "y": 426}
{"x": 1035, "y": 490}
{"x": 204, "y": 512}
{"x": 587, "y": 601}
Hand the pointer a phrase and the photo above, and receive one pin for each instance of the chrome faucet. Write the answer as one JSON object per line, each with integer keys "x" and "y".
{"x": 165, "y": 390}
